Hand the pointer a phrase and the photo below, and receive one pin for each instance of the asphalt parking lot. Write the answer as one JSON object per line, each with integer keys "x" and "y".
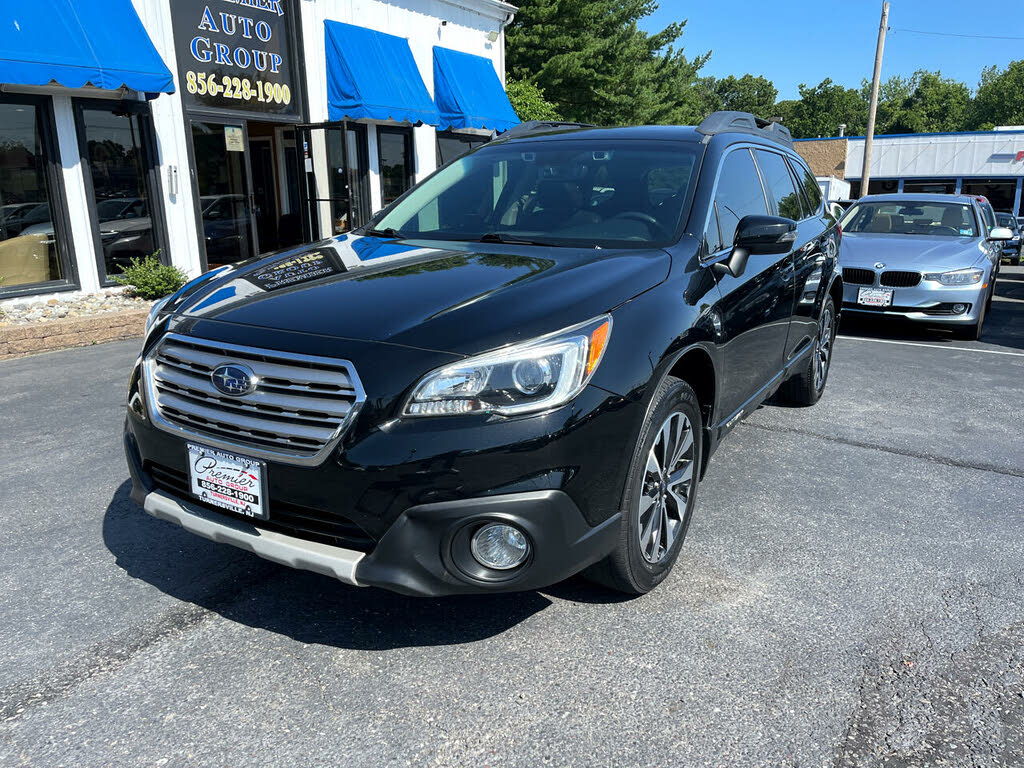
{"x": 851, "y": 594}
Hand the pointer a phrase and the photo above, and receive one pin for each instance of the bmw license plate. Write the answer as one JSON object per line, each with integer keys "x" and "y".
{"x": 229, "y": 481}
{"x": 875, "y": 297}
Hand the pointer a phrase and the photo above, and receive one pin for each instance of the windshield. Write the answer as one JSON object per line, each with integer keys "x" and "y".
{"x": 1006, "y": 220}
{"x": 586, "y": 193}
{"x": 910, "y": 218}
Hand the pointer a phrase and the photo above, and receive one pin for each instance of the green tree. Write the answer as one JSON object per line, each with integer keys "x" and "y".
{"x": 823, "y": 108}
{"x": 528, "y": 101}
{"x": 741, "y": 94}
{"x": 926, "y": 102}
{"x": 596, "y": 65}
{"x": 1000, "y": 97}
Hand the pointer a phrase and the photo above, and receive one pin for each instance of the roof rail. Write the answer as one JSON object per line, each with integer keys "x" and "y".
{"x": 535, "y": 126}
{"x": 744, "y": 122}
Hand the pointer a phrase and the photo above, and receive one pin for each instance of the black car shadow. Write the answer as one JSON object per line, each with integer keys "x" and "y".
{"x": 304, "y": 606}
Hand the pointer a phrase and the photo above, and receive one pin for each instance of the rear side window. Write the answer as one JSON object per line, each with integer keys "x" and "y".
{"x": 812, "y": 192}
{"x": 739, "y": 194}
{"x": 778, "y": 183}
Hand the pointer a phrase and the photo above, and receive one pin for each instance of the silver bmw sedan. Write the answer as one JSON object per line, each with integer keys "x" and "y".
{"x": 927, "y": 258}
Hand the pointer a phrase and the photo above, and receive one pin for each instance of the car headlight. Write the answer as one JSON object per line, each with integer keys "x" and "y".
{"x": 957, "y": 276}
{"x": 523, "y": 378}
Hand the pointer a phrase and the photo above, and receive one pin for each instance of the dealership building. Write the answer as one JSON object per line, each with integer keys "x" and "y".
{"x": 989, "y": 163}
{"x": 209, "y": 131}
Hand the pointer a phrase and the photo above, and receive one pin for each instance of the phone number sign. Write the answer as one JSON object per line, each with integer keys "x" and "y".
{"x": 236, "y": 55}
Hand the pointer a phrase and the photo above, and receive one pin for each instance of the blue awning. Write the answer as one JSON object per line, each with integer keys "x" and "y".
{"x": 79, "y": 42}
{"x": 468, "y": 92}
{"x": 371, "y": 74}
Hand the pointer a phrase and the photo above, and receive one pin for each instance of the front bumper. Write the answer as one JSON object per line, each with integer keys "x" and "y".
{"x": 425, "y": 552}
{"x": 926, "y": 302}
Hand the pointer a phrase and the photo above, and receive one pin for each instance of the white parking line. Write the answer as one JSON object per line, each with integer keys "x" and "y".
{"x": 933, "y": 346}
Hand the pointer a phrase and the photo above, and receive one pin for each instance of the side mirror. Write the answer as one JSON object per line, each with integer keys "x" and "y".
{"x": 754, "y": 235}
{"x": 1000, "y": 233}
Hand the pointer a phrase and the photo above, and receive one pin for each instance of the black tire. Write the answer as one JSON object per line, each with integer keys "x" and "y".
{"x": 806, "y": 386}
{"x": 628, "y": 569}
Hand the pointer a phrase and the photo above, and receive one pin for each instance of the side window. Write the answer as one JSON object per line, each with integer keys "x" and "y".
{"x": 739, "y": 194}
{"x": 778, "y": 184}
{"x": 805, "y": 209}
{"x": 811, "y": 189}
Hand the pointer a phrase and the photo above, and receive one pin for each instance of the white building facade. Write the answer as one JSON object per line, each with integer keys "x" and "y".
{"x": 235, "y": 128}
{"x": 989, "y": 163}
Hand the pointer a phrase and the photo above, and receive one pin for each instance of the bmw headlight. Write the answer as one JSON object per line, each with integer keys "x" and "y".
{"x": 957, "y": 276}
{"x": 523, "y": 378}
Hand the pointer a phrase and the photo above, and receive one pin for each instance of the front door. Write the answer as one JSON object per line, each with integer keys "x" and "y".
{"x": 225, "y": 197}
{"x": 756, "y": 307}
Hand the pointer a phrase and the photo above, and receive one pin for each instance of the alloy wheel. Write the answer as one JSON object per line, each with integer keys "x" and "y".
{"x": 667, "y": 486}
{"x": 823, "y": 348}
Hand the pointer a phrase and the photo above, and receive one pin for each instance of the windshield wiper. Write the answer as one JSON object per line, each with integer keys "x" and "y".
{"x": 505, "y": 237}
{"x": 386, "y": 232}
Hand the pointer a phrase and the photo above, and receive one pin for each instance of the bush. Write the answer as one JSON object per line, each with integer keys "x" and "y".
{"x": 149, "y": 278}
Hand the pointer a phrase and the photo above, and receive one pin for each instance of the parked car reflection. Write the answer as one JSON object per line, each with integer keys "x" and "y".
{"x": 226, "y": 223}
{"x": 125, "y": 231}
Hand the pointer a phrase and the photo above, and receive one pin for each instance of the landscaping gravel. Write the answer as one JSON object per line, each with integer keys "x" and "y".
{"x": 33, "y": 310}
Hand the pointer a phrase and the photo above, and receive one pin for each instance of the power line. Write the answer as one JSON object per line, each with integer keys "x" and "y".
{"x": 954, "y": 34}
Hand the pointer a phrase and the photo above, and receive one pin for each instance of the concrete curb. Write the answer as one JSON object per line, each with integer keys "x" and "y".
{"x": 49, "y": 335}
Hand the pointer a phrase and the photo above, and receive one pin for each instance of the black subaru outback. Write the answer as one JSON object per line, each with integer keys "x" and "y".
{"x": 515, "y": 372}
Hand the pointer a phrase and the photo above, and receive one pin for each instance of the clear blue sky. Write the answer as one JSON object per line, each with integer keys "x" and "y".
{"x": 805, "y": 41}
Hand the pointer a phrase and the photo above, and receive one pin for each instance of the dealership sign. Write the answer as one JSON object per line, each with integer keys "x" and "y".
{"x": 235, "y": 55}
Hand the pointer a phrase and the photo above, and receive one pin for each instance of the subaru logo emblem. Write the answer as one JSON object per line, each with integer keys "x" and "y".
{"x": 234, "y": 380}
{"x": 879, "y": 265}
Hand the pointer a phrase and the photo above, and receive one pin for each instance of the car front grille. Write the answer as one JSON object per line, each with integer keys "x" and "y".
{"x": 291, "y": 519}
{"x": 895, "y": 278}
{"x": 858, "y": 276}
{"x": 296, "y": 414}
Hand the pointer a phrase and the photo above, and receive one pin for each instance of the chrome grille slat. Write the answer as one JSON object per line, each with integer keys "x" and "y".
{"x": 327, "y": 407}
{"x": 164, "y": 388}
{"x": 279, "y": 427}
{"x": 297, "y": 413}
{"x": 331, "y": 380}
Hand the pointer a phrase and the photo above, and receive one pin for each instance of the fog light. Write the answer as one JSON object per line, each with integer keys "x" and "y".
{"x": 959, "y": 308}
{"x": 500, "y": 546}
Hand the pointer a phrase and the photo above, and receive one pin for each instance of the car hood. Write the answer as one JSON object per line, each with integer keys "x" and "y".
{"x": 908, "y": 252}
{"x": 461, "y": 298}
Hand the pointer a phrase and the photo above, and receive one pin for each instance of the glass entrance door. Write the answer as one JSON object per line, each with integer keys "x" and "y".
{"x": 225, "y": 197}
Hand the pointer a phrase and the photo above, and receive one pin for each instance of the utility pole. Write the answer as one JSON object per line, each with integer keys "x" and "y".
{"x": 865, "y": 175}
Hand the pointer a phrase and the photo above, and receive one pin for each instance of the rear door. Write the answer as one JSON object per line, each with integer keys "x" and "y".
{"x": 755, "y": 308}
{"x": 816, "y": 248}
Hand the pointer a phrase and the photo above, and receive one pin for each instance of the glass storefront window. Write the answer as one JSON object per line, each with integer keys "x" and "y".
{"x": 346, "y": 166}
{"x": 1000, "y": 192}
{"x": 451, "y": 145}
{"x": 930, "y": 186}
{"x": 113, "y": 145}
{"x": 30, "y": 245}
{"x": 395, "y": 148}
